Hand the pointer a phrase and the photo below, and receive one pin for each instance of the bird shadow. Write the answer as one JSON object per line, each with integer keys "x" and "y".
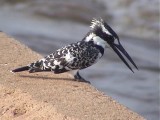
{"x": 51, "y": 78}
{"x": 45, "y": 78}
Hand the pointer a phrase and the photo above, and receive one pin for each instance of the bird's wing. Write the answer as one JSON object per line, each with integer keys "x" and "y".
{"x": 72, "y": 57}
{"x": 61, "y": 60}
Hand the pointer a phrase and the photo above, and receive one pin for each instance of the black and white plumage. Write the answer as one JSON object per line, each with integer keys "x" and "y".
{"x": 82, "y": 54}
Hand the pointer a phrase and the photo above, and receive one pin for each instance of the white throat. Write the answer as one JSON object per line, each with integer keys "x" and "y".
{"x": 96, "y": 39}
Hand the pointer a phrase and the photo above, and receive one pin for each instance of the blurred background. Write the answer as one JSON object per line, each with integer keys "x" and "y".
{"x": 46, "y": 25}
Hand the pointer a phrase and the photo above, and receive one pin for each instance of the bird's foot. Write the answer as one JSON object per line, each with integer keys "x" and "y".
{"x": 78, "y": 78}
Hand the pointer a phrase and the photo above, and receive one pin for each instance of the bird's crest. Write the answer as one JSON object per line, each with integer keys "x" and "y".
{"x": 100, "y": 24}
{"x": 96, "y": 22}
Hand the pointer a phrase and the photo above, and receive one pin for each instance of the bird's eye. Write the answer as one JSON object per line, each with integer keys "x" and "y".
{"x": 110, "y": 39}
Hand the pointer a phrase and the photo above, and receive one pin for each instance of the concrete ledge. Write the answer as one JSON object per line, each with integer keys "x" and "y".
{"x": 46, "y": 96}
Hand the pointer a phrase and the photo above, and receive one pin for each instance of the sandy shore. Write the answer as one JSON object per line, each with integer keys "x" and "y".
{"x": 46, "y": 96}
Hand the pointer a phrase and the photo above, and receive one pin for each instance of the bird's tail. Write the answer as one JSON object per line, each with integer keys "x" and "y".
{"x": 24, "y": 68}
{"x": 31, "y": 68}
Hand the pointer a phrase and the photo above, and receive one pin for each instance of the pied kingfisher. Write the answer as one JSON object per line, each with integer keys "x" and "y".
{"x": 82, "y": 54}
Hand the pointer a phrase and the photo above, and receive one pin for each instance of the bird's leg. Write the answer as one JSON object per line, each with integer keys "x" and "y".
{"x": 78, "y": 78}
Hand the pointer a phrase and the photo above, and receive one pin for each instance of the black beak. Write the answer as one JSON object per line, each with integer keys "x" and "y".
{"x": 118, "y": 48}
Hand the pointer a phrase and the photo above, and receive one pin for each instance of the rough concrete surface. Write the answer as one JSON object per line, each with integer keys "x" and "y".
{"x": 46, "y": 96}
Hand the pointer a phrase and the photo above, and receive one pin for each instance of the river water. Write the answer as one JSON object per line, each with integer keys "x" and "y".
{"x": 138, "y": 91}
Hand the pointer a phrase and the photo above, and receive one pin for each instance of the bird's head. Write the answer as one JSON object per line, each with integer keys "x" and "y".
{"x": 104, "y": 32}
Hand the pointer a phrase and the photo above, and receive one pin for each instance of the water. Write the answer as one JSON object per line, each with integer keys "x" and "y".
{"x": 138, "y": 91}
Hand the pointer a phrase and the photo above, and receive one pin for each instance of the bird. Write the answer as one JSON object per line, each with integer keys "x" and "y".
{"x": 82, "y": 54}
